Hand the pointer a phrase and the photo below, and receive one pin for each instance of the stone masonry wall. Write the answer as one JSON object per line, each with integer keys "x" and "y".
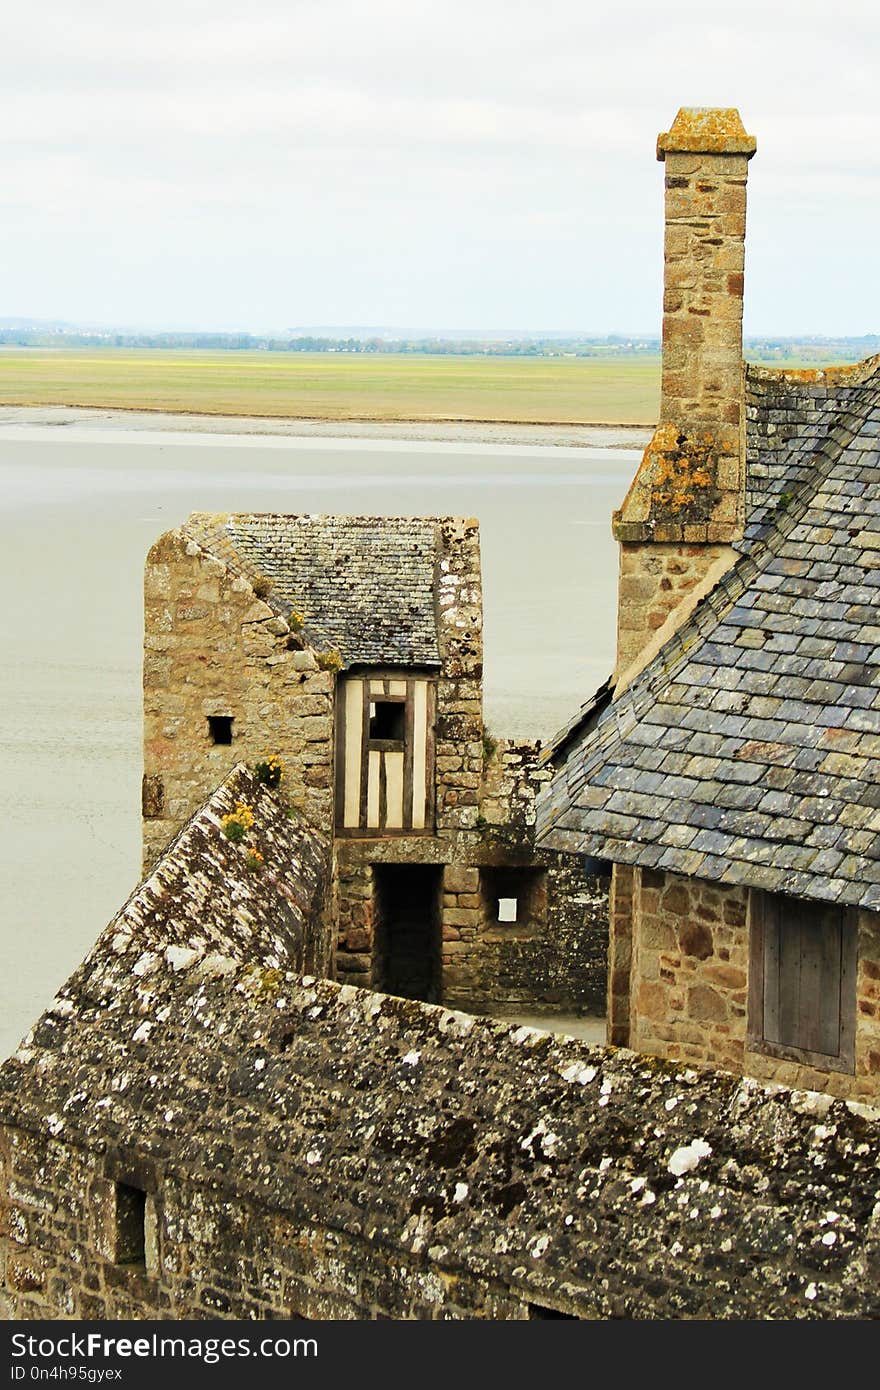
{"x": 559, "y": 961}
{"x": 556, "y": 962}
{"x": 620, "y": 946}
{"x": 690, "y": 976}
{"x": 654, "y": 581}
{"x": 210, "y": 1253}
{"x": 459, "y": 726}
{"x": 213, "y": 648}
{"x": 444, "y": 1168}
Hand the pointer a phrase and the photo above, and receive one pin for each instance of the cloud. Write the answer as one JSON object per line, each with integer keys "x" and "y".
{"x": 491, "y": 159}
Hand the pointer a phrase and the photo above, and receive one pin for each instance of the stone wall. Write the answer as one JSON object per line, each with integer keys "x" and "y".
{"x": 657, "y": 581}
{"x": 443, "y": 1168}
{"x": 620, "y": 944}
{"x": 690, "y": 978}
{"x": 552, "y": 960}
{"x": 459, "y": 728}
{"x": 210, "y": 1254}
{"x": 211, "y": 647}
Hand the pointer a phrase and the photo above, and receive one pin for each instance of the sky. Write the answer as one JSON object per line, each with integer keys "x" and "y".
{"x": 424, "y": 164}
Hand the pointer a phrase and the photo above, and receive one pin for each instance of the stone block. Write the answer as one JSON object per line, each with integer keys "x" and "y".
{"x": 157, "y": 581}
{"x": 695, "y": 940}
{"x": 461, "y": 879}
{"x": 459, "y": 917}
{"x": 706, "y": 1004}
{"x": 315, "y": 729}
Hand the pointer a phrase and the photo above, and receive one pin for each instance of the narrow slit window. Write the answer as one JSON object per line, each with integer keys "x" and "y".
{"x": 508, "y": 909}
{"x": 220, "y": 728}
{"x": 387, "y": 720}
{"x": 130, "y": 1232}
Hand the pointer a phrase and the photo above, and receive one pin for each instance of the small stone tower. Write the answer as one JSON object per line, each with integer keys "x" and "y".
{"x": 350, "y": 649}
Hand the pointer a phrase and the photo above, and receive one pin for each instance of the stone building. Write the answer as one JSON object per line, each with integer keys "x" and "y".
{"x": 351, "y": 649}
{"x": 729, "y": 770}
{"x": 194, "y": 1130}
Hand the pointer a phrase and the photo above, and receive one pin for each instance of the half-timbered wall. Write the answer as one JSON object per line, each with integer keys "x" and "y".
{"x": 385, "y": 754}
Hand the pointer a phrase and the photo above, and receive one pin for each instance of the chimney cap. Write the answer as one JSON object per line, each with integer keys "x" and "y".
{"x": 706, "y": 130}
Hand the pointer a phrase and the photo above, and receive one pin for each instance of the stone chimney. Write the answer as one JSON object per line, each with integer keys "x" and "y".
{"x": 685, "y": 506}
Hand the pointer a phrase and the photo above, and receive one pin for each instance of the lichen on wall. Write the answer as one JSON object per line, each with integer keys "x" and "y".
{"x": 328, "y": 1152}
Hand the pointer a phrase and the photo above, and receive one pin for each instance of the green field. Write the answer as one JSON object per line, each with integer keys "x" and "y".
{"x": 337, "y": 386}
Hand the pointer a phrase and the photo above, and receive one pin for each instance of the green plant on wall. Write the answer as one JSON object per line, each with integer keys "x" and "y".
{"x": 238, "y": 822}
{"x": 269, "y": 771}
{"x": 330, "y": 660}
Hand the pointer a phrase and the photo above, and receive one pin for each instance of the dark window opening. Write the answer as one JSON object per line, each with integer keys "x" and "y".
{"x": 803, "y": 974}
{"x": 220, "y": 728}
{"x": 130, "y": 1232}
{"x": 387, "y": 720}
{"x": 596, "y": 868}
{"x": 514, "y": 900}
{"x": 539, "y": 1310}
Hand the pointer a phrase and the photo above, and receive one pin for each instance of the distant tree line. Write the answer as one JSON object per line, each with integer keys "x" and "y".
{"x": 611, "y": 346}
{"x": 239, "y": 342}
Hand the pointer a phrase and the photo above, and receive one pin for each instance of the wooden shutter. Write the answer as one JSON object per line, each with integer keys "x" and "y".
{"x": 802, "y": 992}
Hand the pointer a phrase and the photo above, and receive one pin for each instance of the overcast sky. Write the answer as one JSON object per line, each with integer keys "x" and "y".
{"x": 452, "y": 164}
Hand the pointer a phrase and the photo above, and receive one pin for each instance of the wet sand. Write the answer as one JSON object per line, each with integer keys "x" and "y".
{"x": 606, "y": 436}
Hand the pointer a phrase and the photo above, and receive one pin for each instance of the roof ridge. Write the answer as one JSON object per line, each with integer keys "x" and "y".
{"x": 838, "y": 374}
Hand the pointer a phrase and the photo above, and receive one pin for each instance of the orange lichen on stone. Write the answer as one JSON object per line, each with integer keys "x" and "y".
{"x": 680, "y": 469}
{"x": 707, "y": 130}
{"x": 843, "y": 374}
{"x": 678, "y": 476}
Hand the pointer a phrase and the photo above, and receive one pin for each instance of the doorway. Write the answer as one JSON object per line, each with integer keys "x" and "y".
{"x": 406, "y": 941}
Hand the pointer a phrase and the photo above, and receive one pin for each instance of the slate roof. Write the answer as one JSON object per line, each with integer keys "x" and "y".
{"x": 788, "y": 417}
{"x": 748, "y": 750}
{"x": 605, "y": 1182}
{"x": 366, "y": 586}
